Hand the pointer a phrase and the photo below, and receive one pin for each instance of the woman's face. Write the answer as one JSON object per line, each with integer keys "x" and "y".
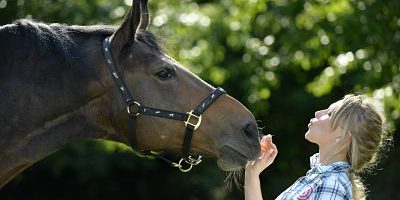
{"x": 319, "y": 128}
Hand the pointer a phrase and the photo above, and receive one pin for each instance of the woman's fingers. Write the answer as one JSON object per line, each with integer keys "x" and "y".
{"x": 268, "y": 138}
{"x": 273, "y": 146}
{"x": 272, "y": 156}
{"x": 268, "y": 154}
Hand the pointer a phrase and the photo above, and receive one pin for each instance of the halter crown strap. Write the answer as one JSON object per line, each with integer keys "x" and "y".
{"x": 123, "y": 89}
{"x": 192, "y": 119}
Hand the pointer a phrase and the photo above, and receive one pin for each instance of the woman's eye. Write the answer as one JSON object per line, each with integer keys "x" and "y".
{"x": 165, "y": 74}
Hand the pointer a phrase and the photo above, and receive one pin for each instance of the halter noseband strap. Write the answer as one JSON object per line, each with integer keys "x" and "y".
{"x": 191, "y": 119}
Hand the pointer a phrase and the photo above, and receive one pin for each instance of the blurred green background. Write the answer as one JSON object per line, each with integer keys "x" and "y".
{"x": 283, "y": 59}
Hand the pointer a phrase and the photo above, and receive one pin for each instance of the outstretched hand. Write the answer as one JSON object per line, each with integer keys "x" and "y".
{"x": 265, "y": 160}
{"x": 252, "y": 188}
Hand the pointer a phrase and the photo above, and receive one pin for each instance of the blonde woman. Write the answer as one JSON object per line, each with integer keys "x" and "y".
{"x": 349, "y": 135}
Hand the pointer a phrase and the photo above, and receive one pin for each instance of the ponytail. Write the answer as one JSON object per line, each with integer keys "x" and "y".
{"x": 358, "y": 187}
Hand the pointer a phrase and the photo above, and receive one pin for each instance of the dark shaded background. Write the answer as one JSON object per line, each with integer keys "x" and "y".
{"x": 284, "y": 59}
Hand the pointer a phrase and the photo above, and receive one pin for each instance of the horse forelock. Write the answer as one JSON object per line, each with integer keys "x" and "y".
{"x": 150, "y": 40}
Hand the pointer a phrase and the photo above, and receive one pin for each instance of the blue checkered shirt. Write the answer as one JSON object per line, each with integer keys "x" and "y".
{"x": 321, "y": 182}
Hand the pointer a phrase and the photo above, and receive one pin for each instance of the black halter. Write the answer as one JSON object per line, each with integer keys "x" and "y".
{"x": 191, "y": 119}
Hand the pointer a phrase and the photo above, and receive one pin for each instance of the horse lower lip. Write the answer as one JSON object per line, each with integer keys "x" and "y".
{"x": 231, "y": 159}
{"x": 226, "y": 165}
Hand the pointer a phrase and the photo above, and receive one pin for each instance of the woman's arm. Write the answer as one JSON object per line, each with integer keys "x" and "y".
{"x": 252, "y": 187}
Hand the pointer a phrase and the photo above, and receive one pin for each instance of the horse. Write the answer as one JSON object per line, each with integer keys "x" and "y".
{"x": 56, "y": 87}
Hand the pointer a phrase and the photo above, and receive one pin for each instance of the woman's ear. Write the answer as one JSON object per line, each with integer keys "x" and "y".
{"x": 338, "y": 133}
{"x": 346, "y": 136}
{"x": 349, "y": 135}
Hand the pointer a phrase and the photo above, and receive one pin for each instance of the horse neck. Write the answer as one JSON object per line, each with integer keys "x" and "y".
{"x": 90, "y": 119}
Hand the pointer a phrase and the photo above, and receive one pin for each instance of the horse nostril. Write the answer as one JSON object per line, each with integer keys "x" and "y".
{"x": 251, "y": 130}
{"x": 251, "y": 135}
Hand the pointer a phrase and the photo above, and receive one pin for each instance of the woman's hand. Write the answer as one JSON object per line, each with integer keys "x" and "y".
{"x": 252, "y": 188}
{"x": 266, "y": 159}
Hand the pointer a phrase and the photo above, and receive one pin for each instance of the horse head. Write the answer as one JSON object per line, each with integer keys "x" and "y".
{"x": 228, "y": 131}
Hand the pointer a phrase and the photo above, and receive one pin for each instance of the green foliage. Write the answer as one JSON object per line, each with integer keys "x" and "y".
{"x": 283, "y": 59}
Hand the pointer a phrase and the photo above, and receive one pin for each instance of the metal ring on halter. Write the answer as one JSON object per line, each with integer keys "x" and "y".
{"x": 128, "y": 108}
{"x": 181, "y": 167}
{"x": 193, "y": 161}
{"x": 195, "y": 117}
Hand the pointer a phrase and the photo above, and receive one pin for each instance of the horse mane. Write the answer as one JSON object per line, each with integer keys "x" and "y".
{"x": 57, "y": 39}
{"x": 27, "y": 35}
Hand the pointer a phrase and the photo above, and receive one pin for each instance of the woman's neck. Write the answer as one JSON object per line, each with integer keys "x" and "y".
{"x": 331, "y": 154}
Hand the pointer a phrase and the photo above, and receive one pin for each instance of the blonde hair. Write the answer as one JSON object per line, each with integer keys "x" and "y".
{"x": 361, "y": 120}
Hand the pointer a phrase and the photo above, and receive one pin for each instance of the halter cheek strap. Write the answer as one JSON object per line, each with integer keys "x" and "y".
{"x": 191, "y": 119}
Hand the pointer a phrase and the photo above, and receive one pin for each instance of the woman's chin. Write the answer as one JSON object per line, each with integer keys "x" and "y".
{"x": 307, "y": 135}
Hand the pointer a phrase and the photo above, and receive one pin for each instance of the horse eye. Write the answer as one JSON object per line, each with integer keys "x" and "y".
{"x": 165, "y": 74}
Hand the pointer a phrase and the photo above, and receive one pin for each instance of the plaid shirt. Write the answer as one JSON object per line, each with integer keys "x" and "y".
{"x": 321, "y": 183}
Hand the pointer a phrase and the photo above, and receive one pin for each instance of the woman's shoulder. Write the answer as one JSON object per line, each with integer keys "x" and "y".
{"x": 341, "y": 178}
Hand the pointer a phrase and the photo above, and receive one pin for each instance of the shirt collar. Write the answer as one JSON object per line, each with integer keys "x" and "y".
{"x": 315, "y": 166}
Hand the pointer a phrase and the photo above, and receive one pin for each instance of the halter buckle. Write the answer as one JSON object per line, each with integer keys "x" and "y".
{"x": 193, "y": 161}
{"x": 189, "y": 121}
{"x": 136, "y": 111}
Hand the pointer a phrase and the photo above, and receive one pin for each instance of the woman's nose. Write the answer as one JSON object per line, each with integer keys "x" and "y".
{"x": 317, "y": 114}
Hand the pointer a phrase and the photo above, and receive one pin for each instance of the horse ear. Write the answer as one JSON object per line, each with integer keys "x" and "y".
{"x": 125, "y": 34}
{"x": 144, "y": 15}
